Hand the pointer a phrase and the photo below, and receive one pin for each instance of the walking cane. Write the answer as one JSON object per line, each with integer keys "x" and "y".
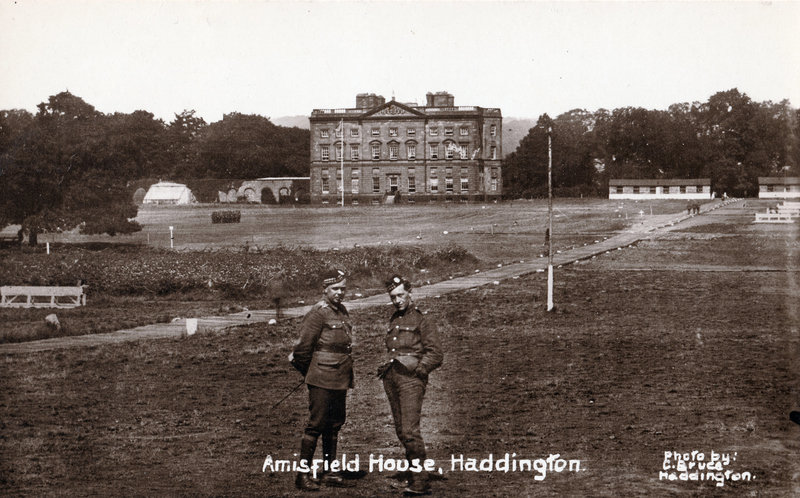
{"x": 295, "y": 388}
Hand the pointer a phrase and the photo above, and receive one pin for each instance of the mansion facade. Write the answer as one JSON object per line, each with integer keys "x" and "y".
{"x": 382, "y": 151}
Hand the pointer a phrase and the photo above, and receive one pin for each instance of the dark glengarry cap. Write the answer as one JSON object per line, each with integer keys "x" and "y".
{"x": 396, "y": 281}
{"x": 333, "y": 277}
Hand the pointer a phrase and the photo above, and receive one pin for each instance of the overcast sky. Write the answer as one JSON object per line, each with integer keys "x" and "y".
{"x": 287, "y": 58}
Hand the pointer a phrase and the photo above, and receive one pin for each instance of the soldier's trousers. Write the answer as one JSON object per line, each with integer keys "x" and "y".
{"x": 327, "y": 411}
{"x": 405, "y": 392}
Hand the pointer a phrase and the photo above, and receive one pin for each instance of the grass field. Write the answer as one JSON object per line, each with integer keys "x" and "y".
{"x": 492, "y": 232}
{"x": 687, "y": 342}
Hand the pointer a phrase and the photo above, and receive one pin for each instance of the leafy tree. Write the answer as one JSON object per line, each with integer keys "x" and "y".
{"x": 250, "y": 146}
{"x": 62, "y": 170}
{"x": 184, "y": 135}
{"x": 525, "y": 169}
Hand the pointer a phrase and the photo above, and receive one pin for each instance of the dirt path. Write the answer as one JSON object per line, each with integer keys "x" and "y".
{"x": 649, "y": 226}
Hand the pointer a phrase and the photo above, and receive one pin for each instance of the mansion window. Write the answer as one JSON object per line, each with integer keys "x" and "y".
{"x": 394, "y": 151}
{"x": 434, "y": 151}
{"x": 494, "y": 172}
{"x": 339, "y": 180}
{"x": 493, "y": 130}
{"x": 376, "y": 151}
{"x": 434, "y": 185}
{"x": 448, "y": 180}
{"x": 434, "y": 131}
{"x": 464, "y": 184}
{"x": 324, "y": 133}
{"x": 464, "y": 131}
{"x": 411, "y": 132}
{"x": 325, "y": 152}
{"x": 493, "y": 152}
{"x": 355, "y": 152}
{"x": 376, "y": 182}
{"x": 449, "y": 150}
{"x": 339, "y": 151}
{"x": 412, "y": 151}
{"x": 393, "y": 132}
{"x": 354, "y": 132}
{"x": 376, "y": 132}
{"x": 326, "y": 182}
{"x": 412, "y": 182}
{"x": 463, "y": 151}
{"x": 448, "y": 131}
{"x": 494, "y": 185}
{"x": 354, "y": 182}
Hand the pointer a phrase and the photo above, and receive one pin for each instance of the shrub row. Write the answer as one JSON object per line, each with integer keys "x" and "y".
{"x": 229, "y": 216}
{"x": 270, "y": 273}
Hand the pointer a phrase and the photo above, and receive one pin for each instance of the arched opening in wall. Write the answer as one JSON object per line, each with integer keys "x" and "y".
{"x": 285, "y": 195}
{"x": 250, "y": 195}
{"x": 138, "y": 196}
{"x": 267, "y": 197}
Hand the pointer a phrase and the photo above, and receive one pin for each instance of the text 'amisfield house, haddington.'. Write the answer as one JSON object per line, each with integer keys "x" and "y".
{"x": 382, "y": 151}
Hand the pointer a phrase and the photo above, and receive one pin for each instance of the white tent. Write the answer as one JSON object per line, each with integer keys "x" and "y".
{"x": 169, "y": 193}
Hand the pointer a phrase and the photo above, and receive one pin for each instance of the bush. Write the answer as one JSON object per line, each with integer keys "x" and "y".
{"x": 229, "y": 216}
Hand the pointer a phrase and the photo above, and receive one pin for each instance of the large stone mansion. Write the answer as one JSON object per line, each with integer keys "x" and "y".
{"x": 382, "y": 151}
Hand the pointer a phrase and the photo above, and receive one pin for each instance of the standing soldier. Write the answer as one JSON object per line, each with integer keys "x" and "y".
{"x": 322, "y": 355}
{"x": 413, "y": 349}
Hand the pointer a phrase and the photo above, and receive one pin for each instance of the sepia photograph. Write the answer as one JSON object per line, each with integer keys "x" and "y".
{"x": 416, "y": 248}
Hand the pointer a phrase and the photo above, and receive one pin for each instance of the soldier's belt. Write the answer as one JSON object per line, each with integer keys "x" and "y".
{"x": 336, "y": 349}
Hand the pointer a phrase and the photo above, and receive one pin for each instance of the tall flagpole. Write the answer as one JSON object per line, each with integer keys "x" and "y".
{"x": 550, "y": 218}
{"x": 341, "y": 157}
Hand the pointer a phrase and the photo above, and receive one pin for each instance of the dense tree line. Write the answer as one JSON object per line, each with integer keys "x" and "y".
{"x": 730, "y": 139}
{"x": 69, "y": 164}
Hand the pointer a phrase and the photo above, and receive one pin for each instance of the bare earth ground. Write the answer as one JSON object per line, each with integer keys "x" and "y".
{"x": 687, "y": 342}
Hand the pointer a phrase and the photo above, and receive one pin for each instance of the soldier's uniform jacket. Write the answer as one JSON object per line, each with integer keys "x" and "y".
{"x": 413, "y": 342}
{"x": 322, "y": 354}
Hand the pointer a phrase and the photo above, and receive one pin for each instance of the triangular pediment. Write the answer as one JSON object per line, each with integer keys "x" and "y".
{"x": 393, "y": 109}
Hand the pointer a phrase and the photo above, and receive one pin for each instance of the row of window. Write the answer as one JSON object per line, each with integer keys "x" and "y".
{"x": 652, "y": 190}
{"x": 779, "y": 188}
{"x": 355, "y": 185}
{"x": 451, "y": 151}
{"x": 411, "y": 132}
{"x": 433, "y": 182}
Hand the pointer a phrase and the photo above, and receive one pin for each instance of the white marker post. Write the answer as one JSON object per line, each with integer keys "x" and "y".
{"x": 550, "y": 218}
{"x": 171, "y": 237}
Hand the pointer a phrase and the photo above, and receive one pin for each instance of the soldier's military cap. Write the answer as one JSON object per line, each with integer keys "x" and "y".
{"x": 333, "y": 277}
{"x": 396, "y": 281}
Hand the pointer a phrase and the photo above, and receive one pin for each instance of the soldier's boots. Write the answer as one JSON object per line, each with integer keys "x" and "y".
{"x": 332, "y": 479}
{"x": 418, "y": 485}
{"x": 304, "y": 482}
